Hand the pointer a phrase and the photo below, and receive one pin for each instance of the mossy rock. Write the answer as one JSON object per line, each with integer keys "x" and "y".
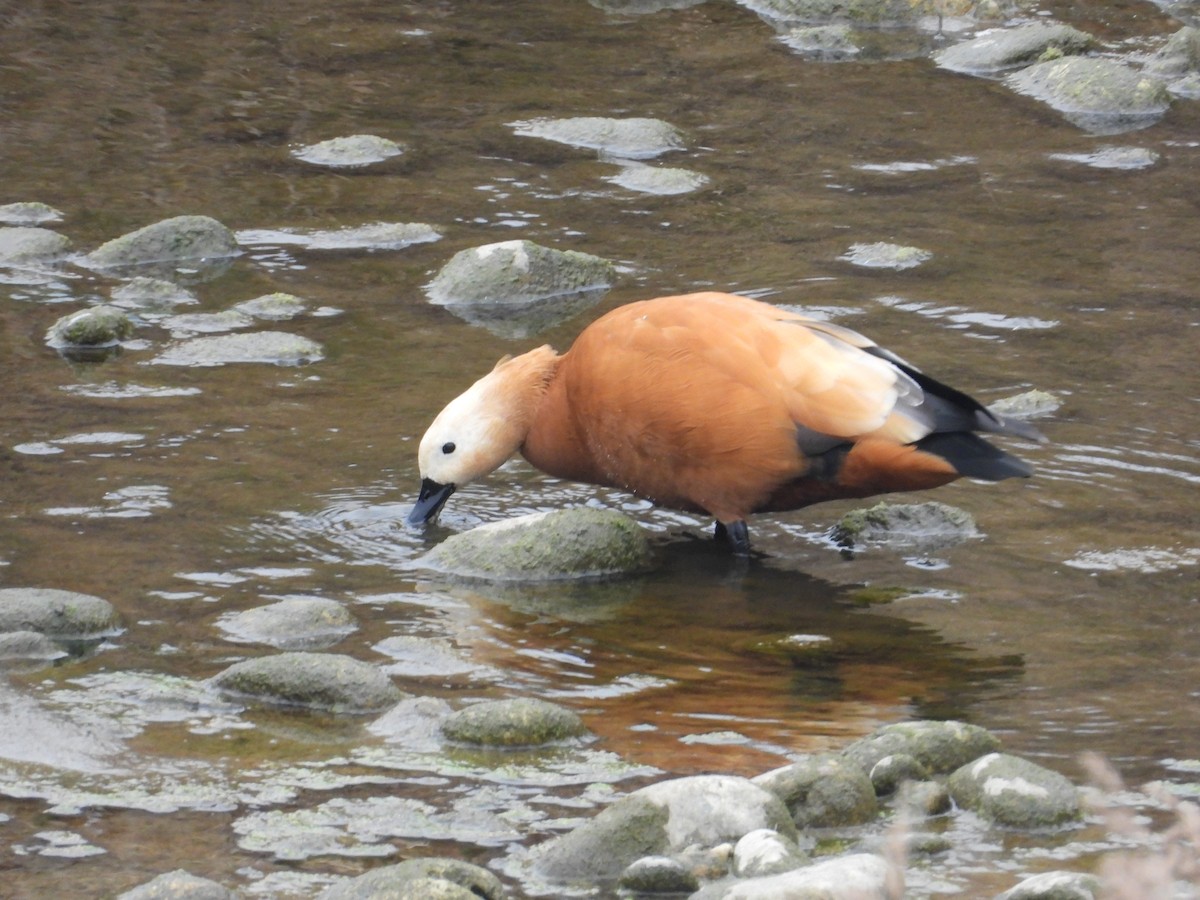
{"x": 547, "y": 546}
{"x": 323, "y": 681}
{"x": 520, "y": 722}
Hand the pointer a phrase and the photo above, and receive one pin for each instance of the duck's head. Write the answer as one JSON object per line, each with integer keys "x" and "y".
{"x": 480, "y": 429}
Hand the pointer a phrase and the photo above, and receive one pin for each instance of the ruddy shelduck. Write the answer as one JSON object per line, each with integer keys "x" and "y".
{"x": 717, "y": 404}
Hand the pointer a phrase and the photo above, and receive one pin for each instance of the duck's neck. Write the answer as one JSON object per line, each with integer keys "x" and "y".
{"x": 555, "y": 443}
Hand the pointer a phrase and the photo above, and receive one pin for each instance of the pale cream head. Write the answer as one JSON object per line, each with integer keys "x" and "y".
{"x": 486, "y": 424}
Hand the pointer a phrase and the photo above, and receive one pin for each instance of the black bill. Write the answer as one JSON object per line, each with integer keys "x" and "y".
{"x": 430, "y": 501}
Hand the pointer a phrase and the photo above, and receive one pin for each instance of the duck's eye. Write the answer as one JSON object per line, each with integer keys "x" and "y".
{"x": 448, "y": 447}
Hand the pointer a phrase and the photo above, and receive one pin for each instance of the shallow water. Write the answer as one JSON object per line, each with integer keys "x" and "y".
{"x": 1070, "y": 625}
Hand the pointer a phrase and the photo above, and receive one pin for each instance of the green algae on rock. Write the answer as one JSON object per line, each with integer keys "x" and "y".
{"x": 545, "y": 546}
{"x": 327, "y": 681}
{"x": 179, "y": 239}
{"x": 518, "y": 722}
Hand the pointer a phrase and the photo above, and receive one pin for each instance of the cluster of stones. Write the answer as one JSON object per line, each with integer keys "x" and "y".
{"x": 718, "y": 837}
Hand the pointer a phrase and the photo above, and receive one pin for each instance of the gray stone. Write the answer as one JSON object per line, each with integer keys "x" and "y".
{"x": 28, "y": 246}
{"x": 274, "y": 307}
{"x": 823, "y": 791}
{"x": 518, "y": 288}
{"x": 941, "y": 747}
{"x": 28, "y": 645}
{"x": 1006, "y": 48}
{"x": 667, "y": 817}
{"x": 180, "y": 239}
{"x": 294, "y": 623}
{"x": 423, "y": 878}
{"x": 1103, "y": 96}
{"x": 824, "y": 42}
{"x": 859, "y": 876}
{"x": 922, "y": 799}
{"x": 189, "y": 324}
{"x": 882, "y": 255}
{"x": 520, "y": 722}
{"x": 271, "y": 347}
{"x": 1014, "y": 792}
{"x": 378, "y": 236}
{"x": 29, "y": 213}
{"x": 146, "y": 293}
{"x": 1125, "y": 158}
{"x": 1055, "y": 886}
{"x": 354, "y": 150}
{"x": 563, "y": 544}
{"x": 97, "y": 326}
{"x": 659, "y": 180}
{"x": 517, "y": 272}
{"x": 178, "y": 885}
{"x": 872, "y": 13}
{"x": 766, "y": 852}
{"x": 928, "y": 525}
{"x": 1179, "y": 56}
{"x": 327, "y": 681}
{"x": 633, "y": 138}
{"x": 893, "y": 770}
{"x": 1026, "y": 405}
{"x": 61, "y": 614}
{"x": 658, "y": 875}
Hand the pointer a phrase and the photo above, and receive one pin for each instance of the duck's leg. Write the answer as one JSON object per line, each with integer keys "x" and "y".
{"x": 737, "y": 534}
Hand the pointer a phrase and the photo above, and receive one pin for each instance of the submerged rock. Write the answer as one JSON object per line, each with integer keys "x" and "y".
{"x": 930, "y": 524}
{"x": 1026, "y": 405}
{"x": 886, "y": 256}
{"x": 824, "y": 42}
{"x": 1006, "y": 48}
{"x": 424, "y": 878}
{"x": 144, "y": 293}
{"x": 520, "y": 722}
{"x": 28, "y": 246}
{"x": 97, "y": 326}
{"x": 941, "y": 747}
{"x": 546, "y": 546}
{"x": 292, "y": 624}
{"x": 1014, "y": 792}
{"x": 57, "y": 613}
{"x": 28, "y": 646}
{"x": 634, "y": 138}
{"x": 1056, "y": 886}
{"x": 658, "y": 180}
{"x": 663, "y": 818}
{"x": 351, "y": 151}
{"x": 179, "y": 885}
{"x": 29, "y": 213}
{"x": 180, "y": 239}
{"x": 326, "y": 681}
{"x": 1101, "y": 95}
{"x": 823, "y": 791}
{"x": 274, "y": 347}
{"x": 1127, "y": 158}
{"x": 377, "y": 236}
{"x": 275, "y": 307}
